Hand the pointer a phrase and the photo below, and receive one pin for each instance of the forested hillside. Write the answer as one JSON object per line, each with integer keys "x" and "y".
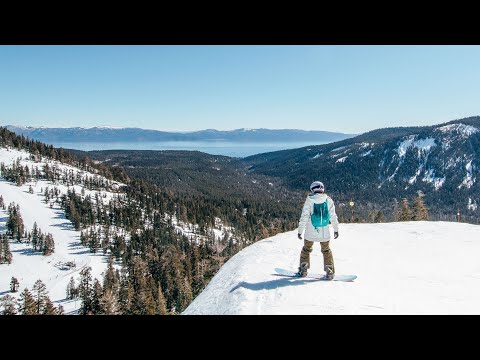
{"x": 163, "y": 261}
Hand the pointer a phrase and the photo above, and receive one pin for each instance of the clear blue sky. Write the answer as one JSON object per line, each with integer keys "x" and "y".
{"x": 349, "y": 89}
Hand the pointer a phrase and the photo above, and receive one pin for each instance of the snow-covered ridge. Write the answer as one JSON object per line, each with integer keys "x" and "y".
{"x": 472, "y": 204}
{"x": 468, "y": 180}
{"x": 424, "y": 145}
{"x": 340, "y": 148}
{"x": 454, "y": 132}
{"x": 107, "y": 127}
{"x": 461, "y": 129}
{"x": 364, "y": 145}
{"x": 247, "y": 283}
{"x": 9, "y": 156}
{"x": 452, "y": 162}
{"x": 429, "y": 177}
{"x": 27, "y": 127}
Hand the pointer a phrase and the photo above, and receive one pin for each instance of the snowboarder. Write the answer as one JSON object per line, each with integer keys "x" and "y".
{"x": 318, "y": 212}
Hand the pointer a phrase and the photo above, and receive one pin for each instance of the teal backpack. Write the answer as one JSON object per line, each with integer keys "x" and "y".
{"x": 320, "y": 216}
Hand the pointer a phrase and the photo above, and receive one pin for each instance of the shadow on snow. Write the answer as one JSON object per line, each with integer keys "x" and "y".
{"x": 64, "y": 225}
{"x": 27, "y": 251}
{"x": 272, "y": 284}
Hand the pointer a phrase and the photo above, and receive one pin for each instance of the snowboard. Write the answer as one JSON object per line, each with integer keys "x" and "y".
{"x": 315, "y": 276}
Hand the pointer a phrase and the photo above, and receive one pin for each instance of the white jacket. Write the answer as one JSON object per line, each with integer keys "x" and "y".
{"x": 323, "y": 233}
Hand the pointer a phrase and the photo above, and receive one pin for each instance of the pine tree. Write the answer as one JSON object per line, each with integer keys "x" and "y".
{"x": 46, "y": 193}
{"x": 27, "y": 303}
{"x": 49, "y": 308}
{"x": 150, "y": 294}
{"x": 9, "y": 305}
{"x": 41, "y": 241}
{"x": 397, "y": 213}
{"x": 20, "y": 226}
{"x": 186, "y": 297}
{"x": 96, "y": 297}
{"x": 39, "y": 294}
{"x": 161, "y": 303}
{"x": 2, "y": 256}
{"x": 14, "y": 284}
{"x": 130, "y": 299}
{"x": 406, "y": 213}
{"x": 109, "y": 280}
{"x": 7, "y": 254}
{"x": 379, "y": 217}
{"x": 72, "y": 291}
{"x": 420, "y": 211}
{"x": 94, "y": 242}
{"x": 12, "y": 220}
{"x": 60, "y": 310}
{"x": 85, "y": 291}
{"x": 15, "y": 227}
{"x": 125, "y": 295}
{"x": 35, "y": 236}
{"x": 109, "y": 303}
{"x": 83, "y": 241}
{"x": 141, "y": 301}
{"x": 74, "y": 216}
{"x": 106, "y": 239}
{"x": 48, "y": 245}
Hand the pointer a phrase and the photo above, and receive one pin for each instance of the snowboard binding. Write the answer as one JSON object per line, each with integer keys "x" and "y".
{"x": 302, "y": 269}
{"x": 330, "y": 274}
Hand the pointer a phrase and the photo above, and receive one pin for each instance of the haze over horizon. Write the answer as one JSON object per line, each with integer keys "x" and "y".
{"x": 347, "y": 89}
{"x": 136, "y": 127}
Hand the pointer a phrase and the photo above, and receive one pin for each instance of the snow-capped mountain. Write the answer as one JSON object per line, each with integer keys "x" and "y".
{"x": 111, "y": 134}
{"x": 403, "y": 268}
{"x": 441, "y": 161}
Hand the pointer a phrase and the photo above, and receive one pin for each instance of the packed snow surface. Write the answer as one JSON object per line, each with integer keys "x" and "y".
{"x": 417, "y": 267}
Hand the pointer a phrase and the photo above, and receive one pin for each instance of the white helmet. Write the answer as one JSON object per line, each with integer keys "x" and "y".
{"x": 317, "y": 186}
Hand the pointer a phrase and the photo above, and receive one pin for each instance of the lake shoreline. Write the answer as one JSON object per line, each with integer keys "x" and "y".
{"x": 225, "y": 148}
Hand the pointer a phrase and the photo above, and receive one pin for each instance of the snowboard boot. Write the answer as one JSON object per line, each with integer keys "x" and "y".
{"x": 302, "y": 269}
{"x": 329, "y": 272}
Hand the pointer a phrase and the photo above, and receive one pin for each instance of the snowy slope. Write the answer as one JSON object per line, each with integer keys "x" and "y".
{"x": 28, "y": 266}
{"x": 403, "y": 268}
{"x": 8, "y": 156}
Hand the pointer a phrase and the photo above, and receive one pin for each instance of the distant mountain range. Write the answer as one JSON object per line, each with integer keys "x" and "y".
{"x": 108, "y": 134}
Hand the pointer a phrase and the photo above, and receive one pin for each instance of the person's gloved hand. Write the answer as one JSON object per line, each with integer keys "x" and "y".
{"x": 335, "y": 234}
{"x": 300, "y": 236}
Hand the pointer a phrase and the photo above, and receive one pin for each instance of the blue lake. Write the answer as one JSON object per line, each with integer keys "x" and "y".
{"x": 233, "y": 149}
